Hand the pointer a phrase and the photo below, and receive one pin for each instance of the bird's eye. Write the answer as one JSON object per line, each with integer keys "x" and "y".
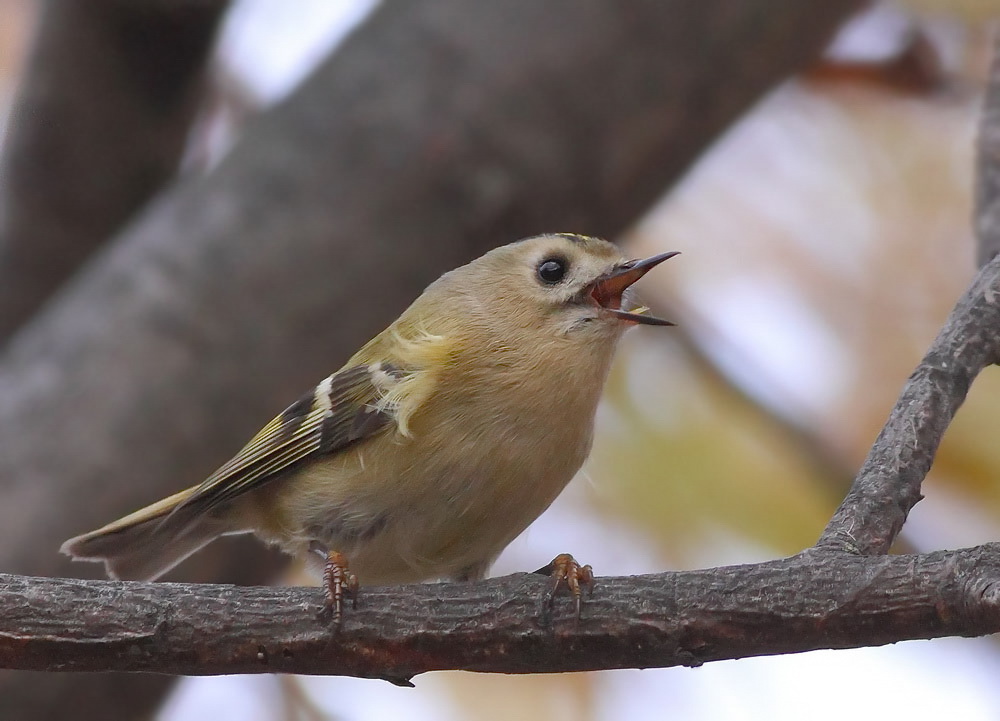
{"x": 552, "y": 270}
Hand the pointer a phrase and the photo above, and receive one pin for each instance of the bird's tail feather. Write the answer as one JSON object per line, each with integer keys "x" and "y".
{"x": 146, "y": 544}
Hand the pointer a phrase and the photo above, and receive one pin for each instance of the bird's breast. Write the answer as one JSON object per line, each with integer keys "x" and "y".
{"x": 489, "y": 446}
{"x": 489, "y": 454}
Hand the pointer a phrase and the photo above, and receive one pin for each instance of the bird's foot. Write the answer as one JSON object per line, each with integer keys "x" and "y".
{"x": 338, "y": 581}
{"x": 566, "y": 572}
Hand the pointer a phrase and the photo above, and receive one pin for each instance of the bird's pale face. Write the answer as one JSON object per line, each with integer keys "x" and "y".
{"x": 568, "y": 285}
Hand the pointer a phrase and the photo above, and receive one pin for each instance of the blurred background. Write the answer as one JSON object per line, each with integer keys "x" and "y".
{"x": 825, "y": 237}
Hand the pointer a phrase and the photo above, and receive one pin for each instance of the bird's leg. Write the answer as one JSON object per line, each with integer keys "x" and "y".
{"x": 338, "y": 581}
{"x": 565, "y": 571}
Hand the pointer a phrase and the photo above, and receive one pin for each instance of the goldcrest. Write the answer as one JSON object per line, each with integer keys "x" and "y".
{"x": 434, "y": 446}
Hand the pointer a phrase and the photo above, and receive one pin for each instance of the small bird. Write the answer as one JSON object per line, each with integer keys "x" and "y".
{"x": 434, "y": 446}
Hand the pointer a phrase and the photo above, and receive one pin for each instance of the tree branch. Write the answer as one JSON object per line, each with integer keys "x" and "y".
{"x": 99, "y": 125}
{"x": 365, "y": 167}
{"x": 821, "y": 598}
{"x": 888, "y": 485}
{"x": 810, "y": 601}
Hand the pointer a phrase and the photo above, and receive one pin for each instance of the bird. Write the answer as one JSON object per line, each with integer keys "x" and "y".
{"x": 434, "y": 446}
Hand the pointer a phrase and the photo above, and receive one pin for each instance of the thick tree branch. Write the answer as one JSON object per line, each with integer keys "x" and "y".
{"x": 811, "y": 601}
{"x": 822, "y": 598}
{"x": 99, "y": 124}
{"x": 237, "y": 291}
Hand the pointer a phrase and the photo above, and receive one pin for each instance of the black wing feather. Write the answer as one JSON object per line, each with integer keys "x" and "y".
{"x": 339, "y": 412}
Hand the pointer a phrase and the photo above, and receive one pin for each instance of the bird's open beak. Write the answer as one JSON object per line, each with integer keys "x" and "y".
{"x": 607, "y": 290}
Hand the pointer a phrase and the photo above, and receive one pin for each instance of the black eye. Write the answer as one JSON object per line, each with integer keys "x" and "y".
{"x": 552, "y": 270}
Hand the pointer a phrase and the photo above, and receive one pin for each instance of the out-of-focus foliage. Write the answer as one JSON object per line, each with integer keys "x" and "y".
{"x": 825, "y": 241}
{"x": 970, "y": 11}
{"x": 693, "y": 464}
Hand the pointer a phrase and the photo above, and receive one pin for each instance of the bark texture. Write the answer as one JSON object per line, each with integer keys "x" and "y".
{"x": 811, "y": 601}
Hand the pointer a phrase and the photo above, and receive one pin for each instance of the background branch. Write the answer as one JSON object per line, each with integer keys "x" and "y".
{"x": 99, "y": 125}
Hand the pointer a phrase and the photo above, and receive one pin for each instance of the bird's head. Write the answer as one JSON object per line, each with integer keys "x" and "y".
{"x": 561, "y": 284}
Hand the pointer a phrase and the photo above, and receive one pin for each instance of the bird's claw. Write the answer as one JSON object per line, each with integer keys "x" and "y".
{"x": 566, "y": 572}
{"x": 338, "y": 581}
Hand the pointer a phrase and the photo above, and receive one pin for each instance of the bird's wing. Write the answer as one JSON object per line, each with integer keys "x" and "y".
{"x": 343, "y": 409}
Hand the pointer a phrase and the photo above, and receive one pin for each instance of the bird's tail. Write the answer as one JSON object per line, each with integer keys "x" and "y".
{"x": 146, "y": 544}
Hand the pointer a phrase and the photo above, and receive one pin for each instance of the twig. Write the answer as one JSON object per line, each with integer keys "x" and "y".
{"x": 888, "y": 485}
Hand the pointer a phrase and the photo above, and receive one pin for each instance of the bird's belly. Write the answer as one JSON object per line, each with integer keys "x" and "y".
{"x": 445, "y": 536}
{"x": 405, "y": 517}
{"x": 473, "y": 514}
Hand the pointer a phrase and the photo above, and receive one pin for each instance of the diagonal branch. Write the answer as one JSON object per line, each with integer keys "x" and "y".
{"x": 888, "y": 485}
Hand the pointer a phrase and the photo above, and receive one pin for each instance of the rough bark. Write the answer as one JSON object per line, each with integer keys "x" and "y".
{"x": 99, "y": 125}
{"x": 811, "y": 601}
{"x": 438, "y": 131}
